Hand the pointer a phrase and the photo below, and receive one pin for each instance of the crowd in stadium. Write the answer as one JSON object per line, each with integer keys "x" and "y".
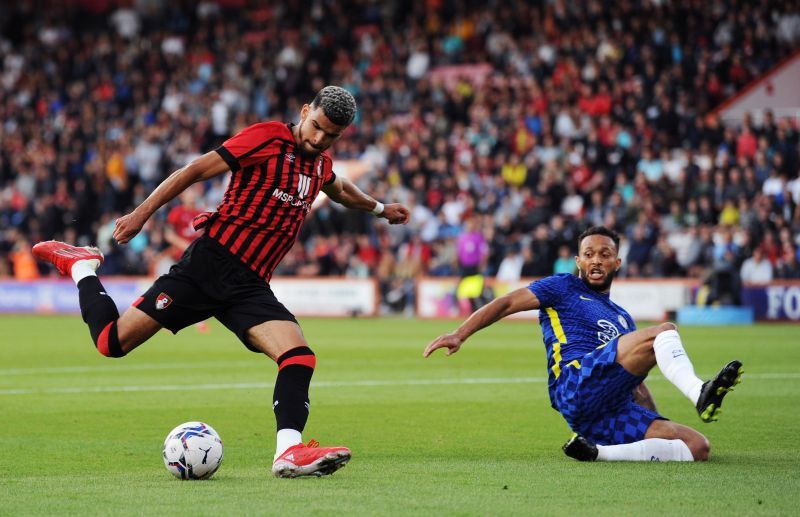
{"x": 560, "y": 115}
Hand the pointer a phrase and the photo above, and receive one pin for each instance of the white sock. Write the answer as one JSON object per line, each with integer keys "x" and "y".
{"x": 287, "y": 438}
{"x": 675, "y": 364}
{"x": 83, "y": 268}
{"x": 651, "y": 449}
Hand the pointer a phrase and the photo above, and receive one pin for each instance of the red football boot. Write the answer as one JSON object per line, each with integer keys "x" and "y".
{"x": 63, "y": 255}
{"x": 310, "y": 460}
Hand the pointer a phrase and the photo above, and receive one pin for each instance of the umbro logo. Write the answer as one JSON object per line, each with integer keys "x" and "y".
{"x": 582, "y": 297}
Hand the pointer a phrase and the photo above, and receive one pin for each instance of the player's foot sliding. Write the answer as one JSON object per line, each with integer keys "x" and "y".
{"x": 713, "y": 391}
{"x": 310, "y": 460}
{"x": 580, "y": 448}
{"x": 63, "y": 256}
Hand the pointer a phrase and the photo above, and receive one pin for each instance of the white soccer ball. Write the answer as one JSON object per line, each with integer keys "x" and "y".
{"x": 193, "y": 451}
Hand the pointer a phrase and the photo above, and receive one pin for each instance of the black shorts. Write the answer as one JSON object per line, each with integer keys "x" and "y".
{"x": 210, "y": 281}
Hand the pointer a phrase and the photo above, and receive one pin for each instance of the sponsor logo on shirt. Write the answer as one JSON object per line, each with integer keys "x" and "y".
{"x": 291, "y": 200}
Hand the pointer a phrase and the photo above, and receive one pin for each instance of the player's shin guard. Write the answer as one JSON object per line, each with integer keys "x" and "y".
{"x": 290, "y": 399}
{"x": 100, "y": 312}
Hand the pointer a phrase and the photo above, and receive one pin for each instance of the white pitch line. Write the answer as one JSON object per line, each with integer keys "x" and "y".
{"x": 123, "y": 367}
{"x": 216, "y": 365}
{"x": 325, "y": 384}
{"x": 266, "y": 385}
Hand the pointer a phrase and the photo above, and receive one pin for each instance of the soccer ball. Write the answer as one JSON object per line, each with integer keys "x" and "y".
{"x": 192, "y": 451}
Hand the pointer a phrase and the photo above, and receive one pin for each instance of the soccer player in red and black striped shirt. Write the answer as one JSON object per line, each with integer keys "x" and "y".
{"x": 277, "y": 171}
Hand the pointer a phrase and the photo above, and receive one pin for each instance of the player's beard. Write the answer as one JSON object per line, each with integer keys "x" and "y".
{"x": 600, "y": 288}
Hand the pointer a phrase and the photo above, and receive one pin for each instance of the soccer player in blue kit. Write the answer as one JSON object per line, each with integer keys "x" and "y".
{"x": 597, "y": 362}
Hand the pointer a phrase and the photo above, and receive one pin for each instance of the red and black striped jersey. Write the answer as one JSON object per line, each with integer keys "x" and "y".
{"x": 271, "y": 190}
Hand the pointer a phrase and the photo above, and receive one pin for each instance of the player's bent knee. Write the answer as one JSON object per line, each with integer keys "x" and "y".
{"x": 700, "y": 448}
{"x": 135, "y": 327}
{"x": 667, "y": 325}
{"x": 108, "y": 342}
{"x": 128, "y": 341}
{"x": 697, "y": 443}
{"x": 275, "y": 338}
{"x": 128, "y": 338}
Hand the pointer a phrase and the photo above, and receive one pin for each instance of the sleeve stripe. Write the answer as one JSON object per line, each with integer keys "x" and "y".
{"x": 333, "y": 178}
{"x": 257, "y": 148}
{"x": 226, "y": 155}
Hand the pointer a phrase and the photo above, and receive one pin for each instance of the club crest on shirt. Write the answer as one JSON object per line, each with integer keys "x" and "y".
{"x": 609, "y": 331}
{"x": 289, "y": 157}
{"x": 162, "y": 301}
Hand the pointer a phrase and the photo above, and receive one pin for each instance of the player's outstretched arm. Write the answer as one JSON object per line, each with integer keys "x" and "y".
{"x": 205, "y": 167}
{"x": 346, "y": 193}
{"x": 515, "y": 301}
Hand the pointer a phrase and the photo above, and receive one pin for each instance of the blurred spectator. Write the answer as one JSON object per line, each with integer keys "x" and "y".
{"x": 756, "y": 269}
{"x": 510, "y": 269}
{"x": 789, "y": 265}
{"x": 724, "y": 281}
{"x": 639, "y": 252}
{"x": 23, "y": 262}
{"x": 180, "y": 232}
{"x": 664, "y": 262}
{"x": 565, "y": 263}
{"x": 542, "y": 246}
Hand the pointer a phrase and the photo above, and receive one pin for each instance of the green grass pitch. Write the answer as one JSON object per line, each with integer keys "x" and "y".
{"x": 471, "y": 434}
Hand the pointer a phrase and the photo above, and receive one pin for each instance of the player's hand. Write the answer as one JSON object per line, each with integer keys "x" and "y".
{"x": 127, "y": 227}
{"x": 450, "y": 341}
{"x": 395, "y": 213}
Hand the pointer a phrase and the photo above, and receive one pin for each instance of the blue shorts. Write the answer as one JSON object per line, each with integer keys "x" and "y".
{"x": 596, "y": 399}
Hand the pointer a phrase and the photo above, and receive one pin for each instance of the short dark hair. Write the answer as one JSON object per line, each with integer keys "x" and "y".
{"x": 337, "y": 103}
{"x": 599, "y": 230}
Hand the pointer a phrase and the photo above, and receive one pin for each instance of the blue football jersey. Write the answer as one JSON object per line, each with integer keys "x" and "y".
{"x": 575, "y": 320}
